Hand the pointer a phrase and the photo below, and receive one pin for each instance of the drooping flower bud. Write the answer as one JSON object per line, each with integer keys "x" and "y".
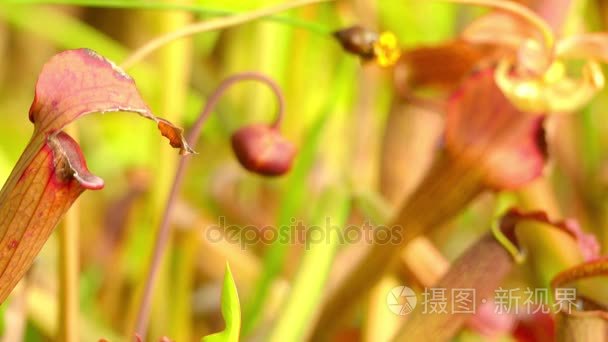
{"x": 369, "y": 45}
{"x": 263, "y": 150}
{"x": 358, "y": 40}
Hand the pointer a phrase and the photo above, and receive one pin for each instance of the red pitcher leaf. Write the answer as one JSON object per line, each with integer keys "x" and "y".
{"x": 537, "y": 236}
{"x": 51, "y": 173}
{"x": 66, "y": 149}
{"x": 482, "y": 268}
{"x": 593, "y": 268}
{"x": 45, "y": 190}
{"x": 427, "y": 67}
{"x": 489, "y": 143}
{"x": 582, "y": 326}
{"x": 490, "y": 323}
{"x": 589, "y": 323}
{"x": 588, "y": 245}
{"x": 484, "y": 129}
{"x": 536, "y": 326}
{"x": 78, "y": 82}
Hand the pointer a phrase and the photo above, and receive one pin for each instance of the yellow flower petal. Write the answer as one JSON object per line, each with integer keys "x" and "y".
{"x": 386, "y": 50}
{"x": 570, "y": 95}
{"x": 552, "y": 93}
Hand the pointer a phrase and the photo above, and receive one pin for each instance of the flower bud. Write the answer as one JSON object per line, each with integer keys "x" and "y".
{"x": 358, "y": 40}
{"x": 263, "y": 150}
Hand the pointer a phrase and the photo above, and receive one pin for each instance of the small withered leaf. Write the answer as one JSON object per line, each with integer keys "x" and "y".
{"x": 175, "y": 136}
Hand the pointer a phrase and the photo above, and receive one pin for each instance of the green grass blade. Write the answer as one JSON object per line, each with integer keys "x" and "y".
{"x": 231, "y": 311}
{"x": 331, "y": 214}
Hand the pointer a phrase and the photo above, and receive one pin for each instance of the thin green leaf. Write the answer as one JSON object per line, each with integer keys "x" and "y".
{"x": 231, "y": 311}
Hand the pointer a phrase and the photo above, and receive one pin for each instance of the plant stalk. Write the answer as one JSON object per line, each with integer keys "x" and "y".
{"x": 68, "y": 269}
{"x": 447, "y": 188}
{"x": 482, "y": 267}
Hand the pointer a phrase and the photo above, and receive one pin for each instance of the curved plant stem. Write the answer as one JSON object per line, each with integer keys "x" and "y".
{"x": 518, "y": 256}
{"x": 519, "y": 10}
{"x": 162, "y": 237}
{"x": 213, "y": 24}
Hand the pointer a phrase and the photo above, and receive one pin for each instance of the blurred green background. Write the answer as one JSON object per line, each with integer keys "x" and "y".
{"x": 336, "y": 115}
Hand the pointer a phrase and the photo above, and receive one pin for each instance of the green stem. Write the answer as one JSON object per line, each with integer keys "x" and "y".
{"x": 447, "y": 188}
{"x": 313, "y": 272}
{"x": 211, "y": 25}
{"x": 68, "y": 271}
{"x": 175, "y": 66}
{"x": 161, "y": 6}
